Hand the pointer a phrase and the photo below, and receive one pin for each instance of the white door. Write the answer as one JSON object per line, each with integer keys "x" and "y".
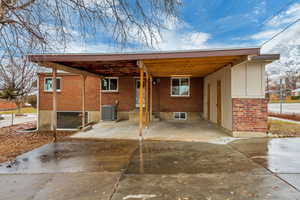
{"x": 137, "y": 94}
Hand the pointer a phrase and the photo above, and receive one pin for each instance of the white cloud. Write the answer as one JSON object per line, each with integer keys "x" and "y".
{"x": 176, "y": 35}
{"x": 286, "y": 17}
{"x": 260, "y": 8}
{"x": 172, "y": 40}
{"x": 287, "y": 43}
{"x": 274, "y": 26}
{"x": 288, "y": 37}
{"x": 264, "y": 34}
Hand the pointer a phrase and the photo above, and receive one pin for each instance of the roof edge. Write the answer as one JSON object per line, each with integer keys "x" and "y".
{"x": 142, "y": 56}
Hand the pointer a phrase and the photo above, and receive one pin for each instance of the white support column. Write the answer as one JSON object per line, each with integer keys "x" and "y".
{"x": 54, "y": 102}
{"x": 141, "y": 102}
{"x": 83, "y": 100}
{"x": 151, "y": 98}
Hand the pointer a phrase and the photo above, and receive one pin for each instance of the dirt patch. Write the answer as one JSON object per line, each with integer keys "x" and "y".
{"x": 14, "y": 143}
{"x": 285, "y": 129}
{"x": 292, "y": 116}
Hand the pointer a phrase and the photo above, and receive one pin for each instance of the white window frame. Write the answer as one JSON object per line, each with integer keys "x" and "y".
{"x": 186, "y": 116}
{"x": 171, "y": 86}
{"x": 51, "y": 90}
{"x": 117, "y": 90}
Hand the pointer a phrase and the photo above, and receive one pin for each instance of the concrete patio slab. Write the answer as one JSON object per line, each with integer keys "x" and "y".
{"x": 111, "y": 130}
{"x": 61, "y": 186}
{"x": 198, "y": 130}
{"x": 23, "y": 186}
{"x": 278, "y": 155}
{"x": 79, "y": 186}
{"x": 221, "y": 186}
{"x": 128, "y": 169}
{"x": 189, "y": 131}
{"x": 292, "y": 179}
{"x": 161, "y": 157}
{"x": 73, "y": 156}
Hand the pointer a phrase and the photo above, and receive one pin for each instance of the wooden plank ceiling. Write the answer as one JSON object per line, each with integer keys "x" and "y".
{"x": 196, "y": 67}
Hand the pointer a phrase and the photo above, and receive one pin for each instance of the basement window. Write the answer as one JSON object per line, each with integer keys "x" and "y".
{"x": 48, "y": 84}
{"x": 70, "y": 119}
{"x": 180, "y": 86}
{"x": 110, "y": 84}
{"x": 180, "y": 115}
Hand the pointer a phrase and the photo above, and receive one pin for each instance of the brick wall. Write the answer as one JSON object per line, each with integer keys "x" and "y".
{"x": 125, "y": 95}
{"x": 249, "y": 115}
{"x": 7, "y": 105}
{"x": 165, "y": 103}
{"x": 70, "y": 96}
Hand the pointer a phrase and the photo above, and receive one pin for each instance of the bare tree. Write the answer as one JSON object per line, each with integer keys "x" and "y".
{"x": 292, "y": 77}
{"x": 33, "y": 25}
{"x": 16, "y": 80}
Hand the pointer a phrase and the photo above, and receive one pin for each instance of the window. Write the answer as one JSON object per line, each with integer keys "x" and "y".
{"x": 180, "y": 86}
{"x": 180, "y": 115}
{"x": 110, "y": 84}
{"x": 48, "y": 84}
{"x": 70, "y": 119}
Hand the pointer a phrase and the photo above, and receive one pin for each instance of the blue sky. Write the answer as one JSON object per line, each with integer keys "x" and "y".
{"x": 233, "y": 22}
{"x": 216, "y": 24}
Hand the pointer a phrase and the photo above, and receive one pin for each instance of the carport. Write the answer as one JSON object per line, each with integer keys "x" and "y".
{"x": 225, "y": 73}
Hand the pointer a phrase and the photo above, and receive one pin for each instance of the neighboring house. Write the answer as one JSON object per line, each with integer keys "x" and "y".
{"x": 296, "y": 92}
{"x": 225, "y": 86}
{"x": 7, "y": 105}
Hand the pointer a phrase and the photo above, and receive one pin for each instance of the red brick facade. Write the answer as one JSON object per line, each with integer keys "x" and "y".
{"x": 70, "y": 97}
{"x": 164, "y": 102}
{"x": 249, "y": 115}
{"x": 125, "y": 95}
{"x": 7, "y": 105}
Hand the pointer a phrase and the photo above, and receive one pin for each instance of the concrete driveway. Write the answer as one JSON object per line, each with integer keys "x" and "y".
{"x": 168, "y": 170}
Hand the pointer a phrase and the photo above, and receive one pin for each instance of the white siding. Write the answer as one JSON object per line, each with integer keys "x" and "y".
{"x": 248, "y": 80}
{"x": 225, "y": 76}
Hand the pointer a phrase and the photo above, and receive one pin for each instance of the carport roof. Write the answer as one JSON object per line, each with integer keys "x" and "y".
{"x": 159, "y": 64}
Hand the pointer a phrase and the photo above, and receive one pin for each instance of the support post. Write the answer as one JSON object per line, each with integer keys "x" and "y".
{"x": 151, "y": 98}
{"x": 141, "y": 102}
{"x": 147, "y": 100}
{"x": 83, "y": 100}
{"x": 54, "y": 102}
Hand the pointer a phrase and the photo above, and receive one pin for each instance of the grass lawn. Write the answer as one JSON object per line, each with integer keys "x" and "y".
{"x": 23, "y": 110}
{"x": 283, "y": 128}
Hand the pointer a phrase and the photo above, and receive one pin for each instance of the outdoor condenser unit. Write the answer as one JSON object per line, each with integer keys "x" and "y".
{"x": 109, "y": 112}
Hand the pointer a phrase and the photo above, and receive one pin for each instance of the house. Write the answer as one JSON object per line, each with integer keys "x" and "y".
{"x": 224, "y": 86}
{"x": 296, "y": 92}
{"x": 7, "y": 105}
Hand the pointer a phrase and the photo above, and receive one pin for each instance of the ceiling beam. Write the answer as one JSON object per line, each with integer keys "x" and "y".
{"x": 68, "y": 69}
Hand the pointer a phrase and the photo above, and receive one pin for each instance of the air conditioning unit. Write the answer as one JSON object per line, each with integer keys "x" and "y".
{"x": 109, "y": 112}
